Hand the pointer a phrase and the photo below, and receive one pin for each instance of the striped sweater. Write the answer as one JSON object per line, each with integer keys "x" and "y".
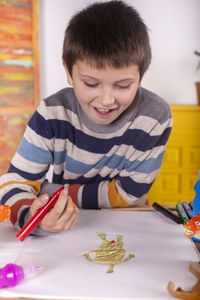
{"x": 105, "y": 165}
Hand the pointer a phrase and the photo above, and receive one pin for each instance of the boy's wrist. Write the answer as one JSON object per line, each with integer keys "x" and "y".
{"x": 49, "y": 188}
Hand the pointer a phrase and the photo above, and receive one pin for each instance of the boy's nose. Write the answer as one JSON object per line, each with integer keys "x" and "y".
{"x": 107, "y": 98}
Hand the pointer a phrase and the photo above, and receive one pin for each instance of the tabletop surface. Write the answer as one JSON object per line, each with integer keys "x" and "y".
{"x": 162, "y": 254}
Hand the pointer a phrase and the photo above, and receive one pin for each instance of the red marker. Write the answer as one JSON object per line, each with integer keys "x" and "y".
{"x": 33, "y": 222}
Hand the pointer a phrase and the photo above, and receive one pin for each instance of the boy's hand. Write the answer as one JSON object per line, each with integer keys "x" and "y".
{"x": 62, "y": 216}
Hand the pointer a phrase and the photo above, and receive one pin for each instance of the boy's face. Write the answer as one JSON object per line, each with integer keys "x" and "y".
{"x": 104, "y": 94}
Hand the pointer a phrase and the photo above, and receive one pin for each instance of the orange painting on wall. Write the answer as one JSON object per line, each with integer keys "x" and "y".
{"x": 19, "y": 79}
{"x": 11, "y": 130}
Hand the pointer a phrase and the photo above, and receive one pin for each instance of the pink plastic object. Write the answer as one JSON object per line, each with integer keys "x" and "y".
{"x": 12, "y": 274}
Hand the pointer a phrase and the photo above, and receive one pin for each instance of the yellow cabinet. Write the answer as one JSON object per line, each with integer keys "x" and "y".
{"x": 179, "y": 172}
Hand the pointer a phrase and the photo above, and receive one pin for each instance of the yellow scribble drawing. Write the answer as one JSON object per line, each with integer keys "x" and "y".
{"x": 109, "y": 252}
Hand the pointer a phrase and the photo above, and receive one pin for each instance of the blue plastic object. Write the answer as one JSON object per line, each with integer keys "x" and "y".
{"x": 196, "y": 201}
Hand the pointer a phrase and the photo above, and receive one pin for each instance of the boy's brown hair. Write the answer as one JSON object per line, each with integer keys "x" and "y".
{"x": 107, "y": 33}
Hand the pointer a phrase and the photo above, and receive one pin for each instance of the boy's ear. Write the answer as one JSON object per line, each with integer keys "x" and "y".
{"x": 69, "y": 78}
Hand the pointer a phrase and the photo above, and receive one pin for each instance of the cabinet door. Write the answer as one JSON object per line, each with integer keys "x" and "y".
{"x": 19, "y": 73}
{"x": 181, "y": 164}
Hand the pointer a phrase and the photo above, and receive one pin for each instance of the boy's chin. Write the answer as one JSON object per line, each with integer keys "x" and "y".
{"x": 104, "y": 121}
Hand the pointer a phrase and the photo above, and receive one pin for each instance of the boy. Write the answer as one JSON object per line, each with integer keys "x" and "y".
{"x": 105, "y": 137}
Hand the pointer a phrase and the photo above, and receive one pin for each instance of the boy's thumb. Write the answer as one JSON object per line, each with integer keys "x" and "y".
{"x": 38, "y": 203}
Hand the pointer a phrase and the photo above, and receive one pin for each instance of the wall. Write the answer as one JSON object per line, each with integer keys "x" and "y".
{"x": 174, "y": 33}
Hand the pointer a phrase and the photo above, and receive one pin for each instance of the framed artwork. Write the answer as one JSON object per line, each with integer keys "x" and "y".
{"x": 19, "y": 72}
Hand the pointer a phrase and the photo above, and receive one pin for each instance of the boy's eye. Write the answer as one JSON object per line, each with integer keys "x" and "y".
{"x": 90, "y": 84}
{"x": 122, "y": 86}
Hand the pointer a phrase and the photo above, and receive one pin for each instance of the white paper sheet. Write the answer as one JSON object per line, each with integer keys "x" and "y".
{"x": 162, "y": 254}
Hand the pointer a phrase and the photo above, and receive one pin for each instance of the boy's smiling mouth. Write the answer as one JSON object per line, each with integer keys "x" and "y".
{"x": 104, "y": 113}
{"x": 103, "y": 110}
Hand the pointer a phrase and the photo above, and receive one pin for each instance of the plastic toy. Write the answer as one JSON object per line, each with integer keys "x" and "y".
{"x": 192, "y": 227}
{"x": 194, "y": 294}
{"x": 12, "y": 275}
{"x": 196, "y": 203}
{"x": 4, "y": 213}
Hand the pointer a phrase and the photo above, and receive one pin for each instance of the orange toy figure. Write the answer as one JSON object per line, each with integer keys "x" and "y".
{"x": 194, "y": 294}
{"x": 4, "y": 213}
{"x": 192, "y": 227}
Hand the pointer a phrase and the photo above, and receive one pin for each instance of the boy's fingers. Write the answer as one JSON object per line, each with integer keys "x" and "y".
{"x": 71, "y": 222}
{"x": 73, "y": 218}
{"x": 68, "y": 217}
{"x": 38, "y": 203}
{"x": 60, "y": 204}
{"x": 70, "y": 203}
{"x": 63, "y": 202}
